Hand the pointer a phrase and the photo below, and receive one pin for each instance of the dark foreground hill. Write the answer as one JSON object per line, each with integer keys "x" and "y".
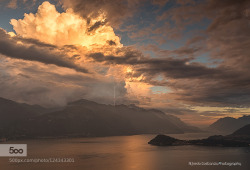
{"x": 240, "y": 138}
{"x": 244, "y": 131}
{"x": 87, "y": 118}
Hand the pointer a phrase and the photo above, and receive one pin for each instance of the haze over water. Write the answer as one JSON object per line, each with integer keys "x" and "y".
{"x": 126, "y": 153}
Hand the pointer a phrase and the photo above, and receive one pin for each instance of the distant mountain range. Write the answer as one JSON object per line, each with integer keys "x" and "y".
{"x": 12, "y": 112}
{"x": 13, "y": 116}
{"x": 228, "y": 124}
{"x": 84, "y": 118}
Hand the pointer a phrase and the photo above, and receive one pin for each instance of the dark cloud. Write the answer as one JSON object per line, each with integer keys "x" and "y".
{"x": 36, "y": 52}
{"x": 227, "y": 39}
{"x": 127, "y": 56}
{"x": 177, "y": 68}
{"x": 97, "y": 25}
{"x": 170, "y": 67}
{"x": 34, "y": 42}
{"x": 71, "y": 47}
{"x": 186, "y": 51}
{"x": 227, "y": 11}
{"x": 111, "y": 42}
{"x": 115, "y": 10}
{"x": 224, "y": 85}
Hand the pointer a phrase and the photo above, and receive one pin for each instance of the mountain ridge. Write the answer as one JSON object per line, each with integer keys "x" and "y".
{"x": 88, "y": 118}
{"x": 228, "y": 125}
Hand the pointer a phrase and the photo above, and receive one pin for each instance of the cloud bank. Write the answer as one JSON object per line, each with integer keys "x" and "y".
{"x": 16, "y": 49}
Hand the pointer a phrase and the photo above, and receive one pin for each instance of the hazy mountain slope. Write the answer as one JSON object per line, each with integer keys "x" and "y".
{"x": 13, "y": 116}
{"x": 141, "y": 119}
{"x": 87, "y": 118}
{"x": 13, "y": 112}
{"x": 245, "y": 130}
{"x": 229, "y": 124}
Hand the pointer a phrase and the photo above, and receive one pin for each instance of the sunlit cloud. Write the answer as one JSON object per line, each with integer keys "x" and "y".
{"x": 67, "y": 28}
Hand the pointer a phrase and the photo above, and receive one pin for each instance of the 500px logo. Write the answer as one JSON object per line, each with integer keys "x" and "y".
{"x": 13, "y": 150}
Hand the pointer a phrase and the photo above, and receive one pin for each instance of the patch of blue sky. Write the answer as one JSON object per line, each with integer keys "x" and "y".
{"x": 159, "y": 89}
{"x": 208, "y": 61}
{"x": 214, "y": 63}
{"x": 6, "y": 14}
{"x": 125, "y": 39}
{"x": 150, "y": 54}
{"x": 203, "y": 58}
{"x": 159, "y": 78}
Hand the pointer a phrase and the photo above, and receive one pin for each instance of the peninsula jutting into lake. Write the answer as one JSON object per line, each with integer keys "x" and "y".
{"x": 240, "y": 138}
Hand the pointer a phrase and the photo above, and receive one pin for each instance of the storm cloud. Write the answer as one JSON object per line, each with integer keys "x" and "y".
{"x": 14, "y": 48}
{"x": 114, "y": 10}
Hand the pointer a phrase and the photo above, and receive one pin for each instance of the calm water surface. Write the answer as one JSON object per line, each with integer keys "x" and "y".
{"x": 126, "y": 153}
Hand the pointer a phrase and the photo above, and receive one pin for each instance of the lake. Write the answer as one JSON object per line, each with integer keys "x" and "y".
{"x": 127, "y": 153}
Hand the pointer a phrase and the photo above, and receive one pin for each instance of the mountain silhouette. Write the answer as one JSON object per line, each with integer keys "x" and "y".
{"x": 244, "y": 131}
{"x": 228, "y": 125}
{"x": 88, "y": 118}
{"x": 240, "y": 138}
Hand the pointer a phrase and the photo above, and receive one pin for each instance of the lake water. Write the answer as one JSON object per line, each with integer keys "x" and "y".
{"x": 127, "y": 153}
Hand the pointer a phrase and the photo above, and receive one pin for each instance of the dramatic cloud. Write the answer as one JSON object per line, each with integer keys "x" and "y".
{"x": 170, "y": 67}
{"x": 114, "y": 10}
{"x": 66, "y": 28}
{"x": 16, "y": 49}
{"x": 63, "y": 42}
{"x": 225, "y": 40}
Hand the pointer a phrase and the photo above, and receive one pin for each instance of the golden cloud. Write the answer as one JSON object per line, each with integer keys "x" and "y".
{"x": 67, "y": 28}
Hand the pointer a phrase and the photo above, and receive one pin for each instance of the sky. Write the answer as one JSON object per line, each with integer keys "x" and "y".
{"x": 185, "y": 57}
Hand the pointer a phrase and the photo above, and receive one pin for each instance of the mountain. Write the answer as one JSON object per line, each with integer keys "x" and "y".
{"x": 240, "y": 138}
{"x": 228, "y": 124}
{"x": 13, "y": 115}
{"x": 87, "y": 118}
{"x": 217, "y": 140}
{"x": 13, "y": 112}
{"x": 244, "y": 131}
